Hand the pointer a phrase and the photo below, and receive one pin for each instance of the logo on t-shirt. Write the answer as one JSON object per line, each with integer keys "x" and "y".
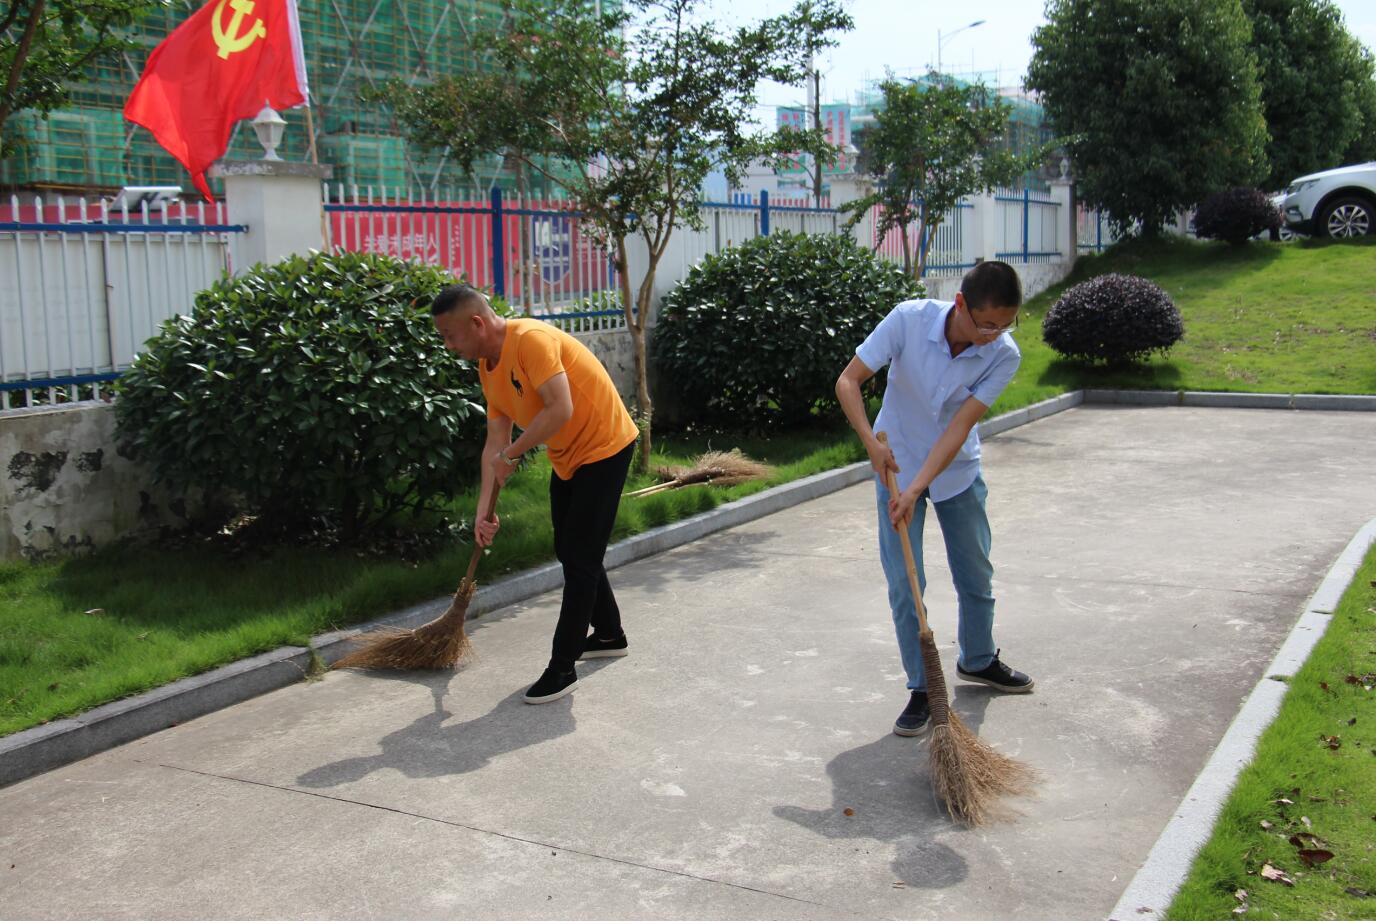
{"x": 517, "y": 384}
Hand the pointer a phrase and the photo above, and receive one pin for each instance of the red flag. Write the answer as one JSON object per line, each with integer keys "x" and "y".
{"x": 220, "y": 66}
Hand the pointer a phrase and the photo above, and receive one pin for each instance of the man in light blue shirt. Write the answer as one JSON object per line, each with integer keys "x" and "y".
{"x": 948, "y": 362}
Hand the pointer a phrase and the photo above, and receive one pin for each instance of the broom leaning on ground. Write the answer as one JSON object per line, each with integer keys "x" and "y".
{"x": 724, "y": 468}
{"x": 442, "y": 643}
{"x": 967, "y": 774}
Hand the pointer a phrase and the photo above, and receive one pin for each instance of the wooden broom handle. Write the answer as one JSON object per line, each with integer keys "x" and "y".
{"x": 487, "y": 515}
{"x": 891, "y": 483}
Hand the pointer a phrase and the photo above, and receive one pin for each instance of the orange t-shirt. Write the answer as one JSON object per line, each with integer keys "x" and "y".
{"x": 534, "y": 352}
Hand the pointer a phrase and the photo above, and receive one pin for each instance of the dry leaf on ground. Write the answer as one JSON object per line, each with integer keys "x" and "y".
{"x": 1312, "y": 857}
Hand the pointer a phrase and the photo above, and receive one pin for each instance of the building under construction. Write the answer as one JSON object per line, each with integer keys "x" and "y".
{"x": 350, "y": 45}
{"x": 1028, "y": 127}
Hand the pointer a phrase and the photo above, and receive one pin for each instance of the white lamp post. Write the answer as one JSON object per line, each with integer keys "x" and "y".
{"x": 942, "y": 41}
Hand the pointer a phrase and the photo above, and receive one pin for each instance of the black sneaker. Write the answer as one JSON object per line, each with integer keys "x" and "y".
{"x": 601, "y": 648}
{"x": 913, "y": 720}
{"x": 551, "y": 686}
{"x": 998, "y": 676}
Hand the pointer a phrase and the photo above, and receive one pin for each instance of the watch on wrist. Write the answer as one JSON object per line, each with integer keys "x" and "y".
{"x": 510, "y": 462}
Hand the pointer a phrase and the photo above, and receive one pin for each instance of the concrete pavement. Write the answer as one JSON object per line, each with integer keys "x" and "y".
{"x": 1149, "y": 563}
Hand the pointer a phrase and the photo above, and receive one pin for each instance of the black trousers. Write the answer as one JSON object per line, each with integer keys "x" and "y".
{"x": 583, "y": 509}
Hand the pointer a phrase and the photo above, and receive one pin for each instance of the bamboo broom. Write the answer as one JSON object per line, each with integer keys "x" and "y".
{"x": 442, "y": 643}
{"x": 968, "y": 775}
{"x": 723, "y": 468}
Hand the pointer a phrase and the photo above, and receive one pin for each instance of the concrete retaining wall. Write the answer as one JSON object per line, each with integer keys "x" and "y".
{"x": 614, "y": 349}
{"x": 64, "y": 488}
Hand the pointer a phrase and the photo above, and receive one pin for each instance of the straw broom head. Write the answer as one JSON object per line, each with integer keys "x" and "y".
{"x": 721, "y": 467}
{"x": 970, "y": 777}
{"x": 442, "y": 643}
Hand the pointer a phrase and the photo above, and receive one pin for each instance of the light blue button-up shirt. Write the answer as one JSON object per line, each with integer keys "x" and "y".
{"x": 927, "y": 386}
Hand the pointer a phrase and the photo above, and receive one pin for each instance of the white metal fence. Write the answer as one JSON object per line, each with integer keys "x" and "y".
{"x": 84, "y": 287}
{"x": 1031, "y": 227}
{"x": 1093, "y": 232}
{"x": 952, "y": 251}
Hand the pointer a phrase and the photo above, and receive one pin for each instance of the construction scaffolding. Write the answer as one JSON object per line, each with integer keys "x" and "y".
{"x": 1028, "y": 127}
{"x": 351, "y": 46}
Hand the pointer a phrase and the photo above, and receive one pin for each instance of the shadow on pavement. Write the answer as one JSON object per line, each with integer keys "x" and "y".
{"x": 429, "y": 748}
{"x": 885, "y": 782}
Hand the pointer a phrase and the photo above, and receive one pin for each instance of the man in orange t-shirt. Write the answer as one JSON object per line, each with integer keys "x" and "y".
{"x": 547, "y": 382}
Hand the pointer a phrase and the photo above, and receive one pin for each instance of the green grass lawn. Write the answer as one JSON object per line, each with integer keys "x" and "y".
{"x": 1312, "y": 787}
{"x": 1292, "y": 318}
{"x": 1267, "y": 317}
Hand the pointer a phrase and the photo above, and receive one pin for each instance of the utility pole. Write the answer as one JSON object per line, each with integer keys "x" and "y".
{"x": 814, "y": 92}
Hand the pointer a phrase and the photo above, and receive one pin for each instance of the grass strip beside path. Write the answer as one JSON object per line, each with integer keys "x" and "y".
{"x": 1306, "y": 806}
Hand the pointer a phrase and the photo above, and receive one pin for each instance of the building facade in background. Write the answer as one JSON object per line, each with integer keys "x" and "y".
{"x": 350, "y": 45}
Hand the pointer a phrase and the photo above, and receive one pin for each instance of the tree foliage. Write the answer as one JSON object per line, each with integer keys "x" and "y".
{"x": 1317, "y": 87}
{"x": 44, "y": 44}
{"x": 1159, "y": 101}
{"x": 636, "y": 106}
{"x": 931, "y": 145}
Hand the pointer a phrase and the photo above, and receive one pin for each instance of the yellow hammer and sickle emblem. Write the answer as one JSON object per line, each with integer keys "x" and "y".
{"x": 229, "y": 40}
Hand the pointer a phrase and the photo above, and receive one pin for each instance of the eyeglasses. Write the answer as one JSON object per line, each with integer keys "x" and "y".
{"x": 994, "y": 330}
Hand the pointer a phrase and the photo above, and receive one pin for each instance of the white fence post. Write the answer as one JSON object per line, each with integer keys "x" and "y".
{"x": 988, "y": 221}
{"x": 1067, "y": 228}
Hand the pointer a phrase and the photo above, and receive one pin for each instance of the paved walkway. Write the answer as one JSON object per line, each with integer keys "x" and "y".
{"x": 1149, "y": 563}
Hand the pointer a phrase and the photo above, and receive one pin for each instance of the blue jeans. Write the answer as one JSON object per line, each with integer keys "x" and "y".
{"x": 965, "y": 526}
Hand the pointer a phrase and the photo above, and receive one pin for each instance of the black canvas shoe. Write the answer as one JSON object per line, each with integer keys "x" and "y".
{"x": 551, "y": 686}
{"x": 913, "y": 720}
{"x": 998, "y": 676}
{"x": 601, "y": 648}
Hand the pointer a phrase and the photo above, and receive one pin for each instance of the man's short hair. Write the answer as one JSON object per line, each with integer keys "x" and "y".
{"x": 456, "y": 297}
{"x": 991, "y": 284}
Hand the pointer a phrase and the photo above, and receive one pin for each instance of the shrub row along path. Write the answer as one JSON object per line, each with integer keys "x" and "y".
{"x": 1150, "y": 561}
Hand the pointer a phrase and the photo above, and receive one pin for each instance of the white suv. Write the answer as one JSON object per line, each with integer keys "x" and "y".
{"x": 1334, "y": 203}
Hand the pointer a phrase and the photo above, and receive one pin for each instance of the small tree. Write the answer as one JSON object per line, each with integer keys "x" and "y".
{"x": 1314, "y": 75}
{"x": 638, "y": 103}
{"x": 931, "y": 145}
{"x": 1159, "y": 100}
{"x": 45, "y": 44}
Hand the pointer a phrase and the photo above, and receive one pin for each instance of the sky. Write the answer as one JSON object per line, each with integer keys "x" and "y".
{"x": 902, "y": 35}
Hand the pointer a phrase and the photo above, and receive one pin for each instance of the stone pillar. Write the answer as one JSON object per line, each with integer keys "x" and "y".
{"x": 851, "y": 187}
{"x": 1067, "y": 234}
{"x": 281, "y": 204}
{"x": 988, "y": 230}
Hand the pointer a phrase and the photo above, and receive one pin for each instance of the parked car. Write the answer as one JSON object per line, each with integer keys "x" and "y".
{"x": 1333, "y": 203}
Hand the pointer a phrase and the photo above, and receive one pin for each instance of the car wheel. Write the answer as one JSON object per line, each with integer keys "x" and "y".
{"x": 1349, "y": 216}
{"x": 1285, "y": 235}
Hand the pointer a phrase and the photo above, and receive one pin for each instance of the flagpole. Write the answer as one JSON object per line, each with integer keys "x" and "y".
{"x": 310, "y": 131}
